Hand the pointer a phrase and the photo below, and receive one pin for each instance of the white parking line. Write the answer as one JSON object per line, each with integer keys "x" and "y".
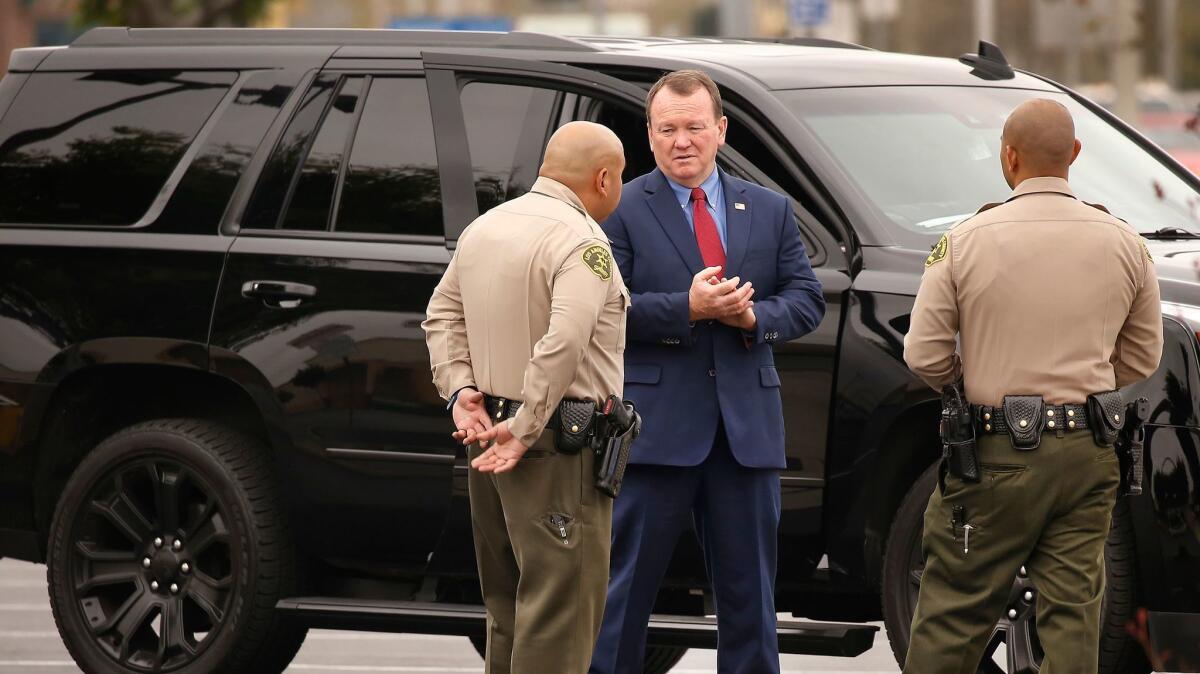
{"x": 41, "y": 608}
{"x": 17, "y": 634}
{"x": 37, "y": 663}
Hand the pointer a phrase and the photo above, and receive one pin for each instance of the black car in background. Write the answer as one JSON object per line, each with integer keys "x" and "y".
{"x": 217, "y": 425}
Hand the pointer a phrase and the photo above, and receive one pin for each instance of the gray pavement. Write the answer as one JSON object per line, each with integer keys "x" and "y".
{"x": 30, "y": 643}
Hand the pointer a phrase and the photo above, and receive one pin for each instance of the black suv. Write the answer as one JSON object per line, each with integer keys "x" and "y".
{"x": 217, "y": 425}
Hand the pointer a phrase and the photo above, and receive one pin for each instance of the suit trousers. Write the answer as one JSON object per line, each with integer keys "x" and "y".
{"x": 542, "y": 534}
{"x": 1048, "y": 510}
{"x": 735, "y": 511}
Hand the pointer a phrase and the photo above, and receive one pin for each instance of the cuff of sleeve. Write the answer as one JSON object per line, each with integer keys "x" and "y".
{"x": 686, "y": 327}
{"x": 454, "y": 379}
{"x": 765, "y": 333}
{"x": 525, "y": 428}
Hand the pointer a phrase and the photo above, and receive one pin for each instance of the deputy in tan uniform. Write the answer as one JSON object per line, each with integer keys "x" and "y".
{"x": 1047, "y": 296}
{"x": 530, "y": 311}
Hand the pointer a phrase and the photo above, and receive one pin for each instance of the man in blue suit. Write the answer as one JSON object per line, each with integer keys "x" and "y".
{"x": 717, "y": 273}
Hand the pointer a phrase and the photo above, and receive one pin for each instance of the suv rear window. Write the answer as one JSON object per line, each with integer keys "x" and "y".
{"x": 95, "y": 148}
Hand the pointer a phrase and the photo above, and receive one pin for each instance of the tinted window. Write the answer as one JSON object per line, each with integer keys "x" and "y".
{"x": 506, "y": 130}
{"x": 199, "y": 201}
{"x": 96, "y": 148}
{"x": 312, "y": 194}
{"x": 276, "y": 179}
{"x": 392, "y": 184}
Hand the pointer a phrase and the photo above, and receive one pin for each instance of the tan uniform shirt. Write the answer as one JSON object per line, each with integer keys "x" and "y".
{"x": 531, "y": 308}
{"x": 1049, "y": 295}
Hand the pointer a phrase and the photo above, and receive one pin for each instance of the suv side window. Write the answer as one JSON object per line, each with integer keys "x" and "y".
{"x": 392, "y": 185}
{"x": 100, "y": 154}
{"x": 358, "y": 156}
{"x": 275, "y": 181}
{"x": 507, "y": 126}
{"x": 312, "y": 195}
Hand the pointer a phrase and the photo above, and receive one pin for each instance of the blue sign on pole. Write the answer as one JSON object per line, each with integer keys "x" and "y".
{"x": 808, "y": 12}
{"x": 487, "y": 23}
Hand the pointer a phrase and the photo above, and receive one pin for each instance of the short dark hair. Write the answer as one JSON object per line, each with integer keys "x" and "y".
{"x": 684, "y": 82}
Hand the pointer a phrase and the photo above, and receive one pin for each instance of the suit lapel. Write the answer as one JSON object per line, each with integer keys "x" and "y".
{"x": 737, "y": 225}
{"x": 666, "y": 209}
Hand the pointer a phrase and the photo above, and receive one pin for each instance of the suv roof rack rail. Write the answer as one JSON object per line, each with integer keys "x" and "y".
{"x": 175, "y": 37}
{"x": 989, "y": 63}
{"x": 809, "y": 42}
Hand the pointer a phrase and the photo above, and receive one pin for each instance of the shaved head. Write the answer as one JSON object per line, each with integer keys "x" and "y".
{"x": 588, "y": 158}
{"x": 1038, "y": 140}
{"x": 577, "y": 149}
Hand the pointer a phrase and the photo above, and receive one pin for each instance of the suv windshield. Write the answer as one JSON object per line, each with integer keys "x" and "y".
{"x": 927, "y": 157}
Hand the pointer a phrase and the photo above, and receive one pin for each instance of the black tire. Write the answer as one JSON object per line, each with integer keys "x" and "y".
{"x": 199, "y": 502}
{"x": 1119, "y": 654}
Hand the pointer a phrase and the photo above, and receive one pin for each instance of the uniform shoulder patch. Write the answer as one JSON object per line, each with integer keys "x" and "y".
{"x": 939, "y": 251}
{"x": 1146, "y": 250}
{"x": 599, "y": 260}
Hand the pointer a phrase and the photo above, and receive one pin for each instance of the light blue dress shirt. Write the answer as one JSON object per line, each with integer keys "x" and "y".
{"x": 716, "y": 203}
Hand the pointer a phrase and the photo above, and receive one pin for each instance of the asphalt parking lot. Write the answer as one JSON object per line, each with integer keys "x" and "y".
{"x": 30, "y": 643}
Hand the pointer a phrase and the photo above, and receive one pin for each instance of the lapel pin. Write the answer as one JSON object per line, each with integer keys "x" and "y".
{"x": 739, "y": 206}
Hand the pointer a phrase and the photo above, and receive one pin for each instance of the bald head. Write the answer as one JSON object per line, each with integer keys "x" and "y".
{"x": 1038, "y": 140}
{"x": 588, "y": 158}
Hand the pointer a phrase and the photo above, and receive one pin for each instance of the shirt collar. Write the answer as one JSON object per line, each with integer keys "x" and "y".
{"x": 711, "y": 187}
{"x": 1043, "y": 184}
{"x": 556, "y": 190}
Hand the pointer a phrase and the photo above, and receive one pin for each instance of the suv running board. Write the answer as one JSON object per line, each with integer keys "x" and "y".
{"x": 808, "y": 638}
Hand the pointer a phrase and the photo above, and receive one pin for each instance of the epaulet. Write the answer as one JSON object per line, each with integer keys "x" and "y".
{"x": 988, "y": 207}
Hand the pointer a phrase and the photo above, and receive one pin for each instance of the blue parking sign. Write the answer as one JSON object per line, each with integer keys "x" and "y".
{"x": 808, "y": 12}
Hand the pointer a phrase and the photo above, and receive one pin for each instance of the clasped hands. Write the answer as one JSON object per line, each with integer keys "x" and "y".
{"x": 501, "y": 451}
{"x": 715, "y": 297}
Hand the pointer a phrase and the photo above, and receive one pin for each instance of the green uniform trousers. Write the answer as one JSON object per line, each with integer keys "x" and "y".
{"x": 1048, "y": 510}
{"x": 542, "y": 537}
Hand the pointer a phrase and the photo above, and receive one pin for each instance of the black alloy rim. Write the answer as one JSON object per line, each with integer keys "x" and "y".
{"x": 151, "y": 564}
{"x": 1016, "y": 631}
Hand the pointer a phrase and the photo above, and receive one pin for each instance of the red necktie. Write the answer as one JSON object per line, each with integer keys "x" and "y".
{"x": 707, "y": 237}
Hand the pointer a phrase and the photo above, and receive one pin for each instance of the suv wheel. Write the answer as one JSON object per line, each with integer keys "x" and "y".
{"x": 1014, "y": 640}
{"x": 168, "y": 552}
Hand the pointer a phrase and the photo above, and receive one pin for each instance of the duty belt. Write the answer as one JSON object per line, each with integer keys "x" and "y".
{"x": 1066, "y": 417}
{"x": 499, "y": 409}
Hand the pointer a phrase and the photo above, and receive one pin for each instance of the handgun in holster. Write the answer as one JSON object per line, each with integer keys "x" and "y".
{"x": 620, "y": 425}
{"x": 960, "y": 456}
{"x": 1130, "y": 446}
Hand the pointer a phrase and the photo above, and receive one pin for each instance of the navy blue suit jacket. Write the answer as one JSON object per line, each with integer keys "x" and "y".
{"x": 685, "y": 378}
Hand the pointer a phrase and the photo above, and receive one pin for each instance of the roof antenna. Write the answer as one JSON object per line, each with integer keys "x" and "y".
{"x": 989, "y": 63}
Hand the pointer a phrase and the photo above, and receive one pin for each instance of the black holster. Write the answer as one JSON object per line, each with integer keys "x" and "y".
{"x": 960, "y": 455}
{"x": 618, "y": 426}
{"x": 1130, "y": 445}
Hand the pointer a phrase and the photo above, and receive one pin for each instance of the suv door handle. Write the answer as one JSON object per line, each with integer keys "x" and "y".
{"x": 282, "y": 294}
